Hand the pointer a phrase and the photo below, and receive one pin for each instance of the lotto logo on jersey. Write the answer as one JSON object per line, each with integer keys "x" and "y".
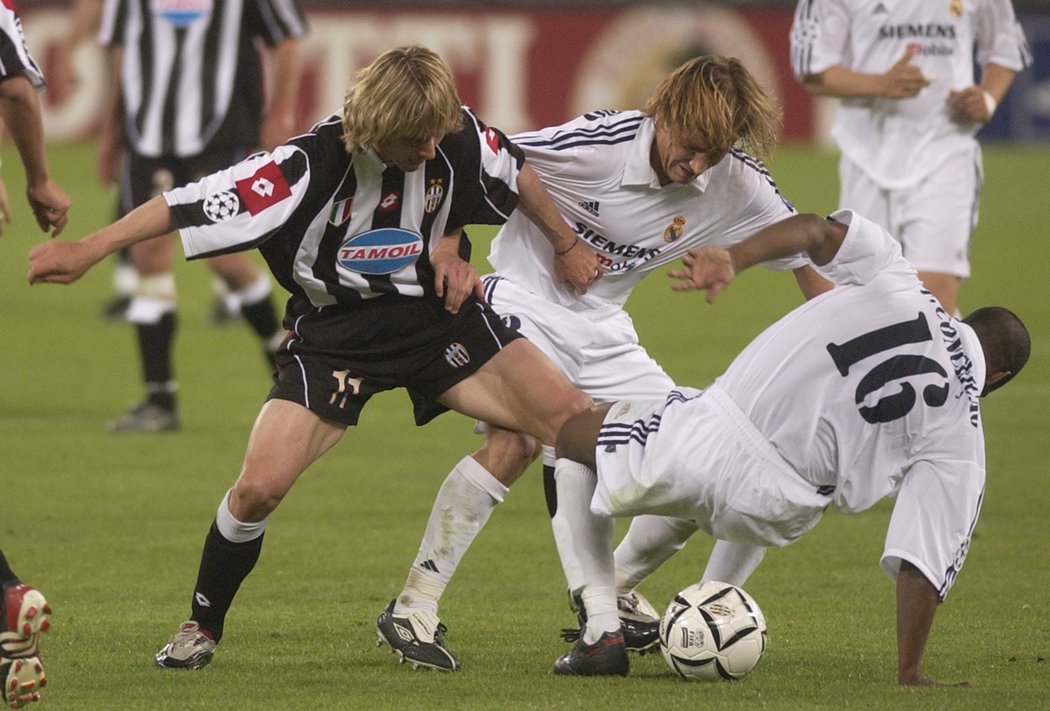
{"x": 382, "y": 251}
{"x": 181, "y": 13}
{"x": 492, "y": 139}
{"x": 264, "y": 188}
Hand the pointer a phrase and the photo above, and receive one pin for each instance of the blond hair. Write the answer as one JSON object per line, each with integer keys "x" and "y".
{"x": 407, "y": 93}
{"x": 719, "y": 97}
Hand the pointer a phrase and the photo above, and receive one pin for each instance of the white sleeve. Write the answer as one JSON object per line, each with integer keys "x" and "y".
{"x": 867, "y": 251}
{"x": 239, "y": 207}
{"x": 1000, "y": 38}
{"x": 820, "y": 36}
{"x": 933, "y": 520}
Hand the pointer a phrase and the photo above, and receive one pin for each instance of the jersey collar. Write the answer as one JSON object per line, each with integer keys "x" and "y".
{"x": 637, "y": 172}
{"x": 369, "y": 159}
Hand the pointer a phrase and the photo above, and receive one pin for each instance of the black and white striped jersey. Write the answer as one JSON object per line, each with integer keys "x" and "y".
{"x": 14, "y": 55}
{"x": 336, "y": 228}
{"x": 192, "y": 75}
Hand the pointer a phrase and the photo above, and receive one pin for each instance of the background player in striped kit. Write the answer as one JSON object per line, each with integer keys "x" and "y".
{"x": 188, "y": 99}
{"x": 867, "y": 392}
{"x": 909, "y": 112}
{"x": 360, "y": 220}
{"x": 639, "y": 188}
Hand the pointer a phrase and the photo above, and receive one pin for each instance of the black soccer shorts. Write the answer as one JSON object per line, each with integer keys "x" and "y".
{"x": 337, "y": 357}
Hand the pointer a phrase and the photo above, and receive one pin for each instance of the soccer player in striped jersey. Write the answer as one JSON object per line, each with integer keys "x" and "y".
{"x": 187, "y": 99}
{"x": 909, "y": 111}
{"x": 23, "y": 609}
{"x": 20, "y": 80}
{"x": 869, "y": 391}
{"x": 361, "y": 220}
{"x": 639, "y": 188}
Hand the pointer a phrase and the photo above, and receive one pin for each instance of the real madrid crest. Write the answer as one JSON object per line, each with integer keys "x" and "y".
{"x": 674, "y": 230}
{"x": 435, "y": 193}
{"x": 956, "y": 8}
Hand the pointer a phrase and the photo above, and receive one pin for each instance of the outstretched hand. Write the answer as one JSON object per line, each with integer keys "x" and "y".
{"x": 707, "y": 269}
{"x": 58, "y": 262}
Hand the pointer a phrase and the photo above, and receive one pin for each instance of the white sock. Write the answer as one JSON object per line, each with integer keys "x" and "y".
{"x": 255, "y": 292}
{"x": 649, "y": 542}
{"x": 584, "y": 543}
{"x": 461, "y": 509}
{"x": 233, "y": 530}
{"x": 733, "y": 563}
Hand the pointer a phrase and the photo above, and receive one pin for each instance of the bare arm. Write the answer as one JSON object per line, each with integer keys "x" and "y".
{"x": 574, "y": 262}
{"x": 60, "y": 262}
{"x": 810, "y": 283}
{"x": 110, "y": 152}
{"x": 916, "y": 605}
{"x": 902, "y": 80}
{"x": 712, "y": 268}
{"x": 285, "y": 68}
{"x": 20, "y": 110}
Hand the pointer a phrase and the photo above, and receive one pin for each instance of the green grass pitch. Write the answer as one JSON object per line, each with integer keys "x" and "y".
{"x": 110, "y": 528}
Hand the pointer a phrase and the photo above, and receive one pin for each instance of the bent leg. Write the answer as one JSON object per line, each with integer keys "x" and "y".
{"x": 518, "y": 389}
{"x": 285, "y": 440}
{"x": 461, "y": 509}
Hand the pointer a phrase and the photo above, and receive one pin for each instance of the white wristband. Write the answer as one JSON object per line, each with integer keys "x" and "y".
{"x": 989, "y": 103}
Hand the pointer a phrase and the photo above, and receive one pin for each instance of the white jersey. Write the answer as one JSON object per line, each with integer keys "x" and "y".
{"x": 901, "y": 141}
{"x": 865, "y": 392}
{"x": 596, "y": 168}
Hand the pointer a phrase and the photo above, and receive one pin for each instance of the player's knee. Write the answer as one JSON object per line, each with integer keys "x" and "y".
{"x": 564, "y": 406}
{"x": 252, "y": 500}
{"x": 576, "y": 438}
{"x": 506, "y": 454}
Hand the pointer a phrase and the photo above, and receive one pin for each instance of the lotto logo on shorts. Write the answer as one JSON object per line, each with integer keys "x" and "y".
{"x": 382, "y": 251}
{"x": 456, "y": 355}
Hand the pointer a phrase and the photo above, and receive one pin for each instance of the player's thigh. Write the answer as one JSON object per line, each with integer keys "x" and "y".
{"x": 938, "y": 217}
{"x": 858, "y": 192}
{"x": 285, "y": 439}
{"x": 561, "y": 334}
{"x": 622, "y": 371}
{"x": 518, "y": 389}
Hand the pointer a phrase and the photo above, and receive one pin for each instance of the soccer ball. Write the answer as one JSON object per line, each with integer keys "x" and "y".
{"x": 712, "y": 631}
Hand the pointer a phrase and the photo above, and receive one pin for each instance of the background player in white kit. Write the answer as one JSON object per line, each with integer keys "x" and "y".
{"x": 866, "y": 392}
{"x": 909, "y": 112}
{"x": 639, "y": 188}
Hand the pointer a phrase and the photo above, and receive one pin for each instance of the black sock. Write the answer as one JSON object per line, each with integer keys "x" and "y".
{"x": 224, "y": 566}
{"x": 550, "y": 490}
{"x": 155, "y": 342}
{"x": 7, "y": 576}
{"x": 262, "y": 317}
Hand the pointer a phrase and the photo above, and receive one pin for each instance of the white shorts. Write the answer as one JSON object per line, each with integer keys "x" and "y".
{"x": 934, "y": 220}
{"x": 694, "y": 455}
{"x": 598, "y": 351}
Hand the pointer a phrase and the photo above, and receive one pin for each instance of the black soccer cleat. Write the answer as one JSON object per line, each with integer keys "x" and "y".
{"x": 638, "y": 623}
{"x": 418, "y": 638}
{"x": 606, "y": 657}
